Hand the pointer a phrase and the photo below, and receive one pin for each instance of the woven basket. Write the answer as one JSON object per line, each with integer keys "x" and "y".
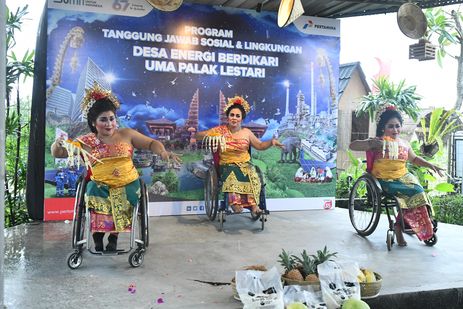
{"x": 235, "y": 292}
{"x": 315, "y": 285}
{"x": 371, "y": 289}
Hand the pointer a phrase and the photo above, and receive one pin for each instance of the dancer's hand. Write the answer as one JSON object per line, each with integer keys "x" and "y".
{"x": 436, "y": 169}
{"x": 375, "y": 144}
{"x": 170, "y": 156}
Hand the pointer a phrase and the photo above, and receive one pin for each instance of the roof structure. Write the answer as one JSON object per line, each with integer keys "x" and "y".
{"x": 328, "y": 8}
{"x": 345, "y": 73}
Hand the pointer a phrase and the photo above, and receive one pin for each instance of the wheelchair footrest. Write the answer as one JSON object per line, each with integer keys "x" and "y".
{"x": 108, "y": 253}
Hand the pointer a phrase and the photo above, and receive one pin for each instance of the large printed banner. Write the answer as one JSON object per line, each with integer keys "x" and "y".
{"x": 173, "y": 73}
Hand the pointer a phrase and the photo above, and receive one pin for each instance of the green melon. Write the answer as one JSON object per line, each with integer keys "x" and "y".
{"x": 355, "y": 304}
{"x": 296, "y": 305}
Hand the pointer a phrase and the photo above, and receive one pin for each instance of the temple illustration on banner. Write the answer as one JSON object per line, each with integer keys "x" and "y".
{"x": 308, "y": 127}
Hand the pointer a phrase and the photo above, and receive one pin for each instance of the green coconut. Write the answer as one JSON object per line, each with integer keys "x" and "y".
{"x": 355, "y": 304}
{"x": 296, "y": 305}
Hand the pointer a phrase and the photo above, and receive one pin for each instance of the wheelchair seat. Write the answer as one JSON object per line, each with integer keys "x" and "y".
{"x": 216, "y": 201}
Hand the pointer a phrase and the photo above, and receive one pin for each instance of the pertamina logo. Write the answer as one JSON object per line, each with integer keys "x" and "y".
{"x": 311, "y": 24}
{"x": 308, "y": 24}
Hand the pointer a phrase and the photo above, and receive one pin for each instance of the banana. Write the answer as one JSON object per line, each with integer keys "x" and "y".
{"x": 370, "y": 276}
{"x": 361, "y": 277}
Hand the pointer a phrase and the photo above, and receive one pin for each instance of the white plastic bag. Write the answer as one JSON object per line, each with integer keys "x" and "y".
{"x": 260, "y": 289}
{"x": 338, "y": 281}
{"x": 303, "y": 294}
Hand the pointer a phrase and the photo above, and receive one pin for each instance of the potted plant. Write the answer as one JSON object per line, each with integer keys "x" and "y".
{"x": 433, "y": 128}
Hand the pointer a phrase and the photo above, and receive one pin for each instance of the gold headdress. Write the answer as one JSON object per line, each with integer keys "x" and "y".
{"x": 240, "y": 101}
{"x": 97, "y": 93}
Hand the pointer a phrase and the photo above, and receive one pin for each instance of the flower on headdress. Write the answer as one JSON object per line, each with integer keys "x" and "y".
{"x": 97, "y": 93}
{"x": 240, "y": 101}
{"x": 385, "y": 107}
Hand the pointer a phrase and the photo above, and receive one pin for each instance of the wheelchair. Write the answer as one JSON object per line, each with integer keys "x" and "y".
{"x": 367, "y": 201}
{"x": 139, "y": 234}
{"x": 215, "y": 206}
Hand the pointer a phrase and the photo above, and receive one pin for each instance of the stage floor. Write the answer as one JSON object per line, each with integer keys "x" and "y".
{"x": 188, "y": 248}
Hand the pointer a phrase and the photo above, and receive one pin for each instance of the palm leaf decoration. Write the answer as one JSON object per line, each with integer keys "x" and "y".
{"x": 404, "y": 98}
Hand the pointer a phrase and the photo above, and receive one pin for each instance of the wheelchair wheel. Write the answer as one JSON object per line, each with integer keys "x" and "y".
{"x": 434, "y": 225}
{"x": 78, "y": 222}
{"x": 255, "y": 216}
{"x": 221, "y": 219}
{"x": 364, "y": 205}
{"x": 136, "y": 258}
{"x": 262, "y": 204}
{"x": 144, "y": 217}
{"x": 390, "y": 239}
{"x": 74, "y": 260}
{"x": 211, "y": 196}
{"x": 431, "y": 241}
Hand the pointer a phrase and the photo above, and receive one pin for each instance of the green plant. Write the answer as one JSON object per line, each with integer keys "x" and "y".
{"x": 403, "y": 98}
{"x": 446, "y": 27}
{"x": 17, "y": 123}
{"x": 347, "y": 178}
{"x": 448, "y": 208}
{"x": 426, "y": 179}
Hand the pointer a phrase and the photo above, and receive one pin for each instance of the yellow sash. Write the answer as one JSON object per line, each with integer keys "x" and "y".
{"x": 234, "y": 156}
{"x": 115, "y": 172}
{"x": 389, "y": 169}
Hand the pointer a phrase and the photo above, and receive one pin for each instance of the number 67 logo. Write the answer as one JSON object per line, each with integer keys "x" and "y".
{"x": 119, "y": 5}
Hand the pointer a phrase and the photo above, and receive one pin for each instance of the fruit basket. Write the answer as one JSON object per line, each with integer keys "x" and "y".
{"x": 371, "y": 289}
{"x": 314, "y": 284}
{"x": 302, "y": 269}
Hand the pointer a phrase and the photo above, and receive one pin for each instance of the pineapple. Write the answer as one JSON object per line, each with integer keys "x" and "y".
{"x": 322, "y": 256}
{"x": 312, "y": 278}
{"x": 307, "y": 265}
{"x": 294, "y": 274}
{"x": 287, "y": 261}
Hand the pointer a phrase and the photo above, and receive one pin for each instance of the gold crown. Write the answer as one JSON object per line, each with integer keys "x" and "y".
{"x": 97, "y": 93}
{"x": 240, "y": 101}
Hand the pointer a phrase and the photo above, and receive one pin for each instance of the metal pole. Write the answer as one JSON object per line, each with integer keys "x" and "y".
{"x": 2, "y": 139}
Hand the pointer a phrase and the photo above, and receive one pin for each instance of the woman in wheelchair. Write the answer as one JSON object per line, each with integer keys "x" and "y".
{"x": 114, "y": 188}
{"x": 387, "y": 155}
{"x": 238, "y": 175}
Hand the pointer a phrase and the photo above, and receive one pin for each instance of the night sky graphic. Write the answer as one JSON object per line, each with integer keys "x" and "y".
{"x": 148, "y": 95}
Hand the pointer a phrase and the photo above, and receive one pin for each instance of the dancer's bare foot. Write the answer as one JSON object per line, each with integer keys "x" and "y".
{"x": 256, "y": 210}
{"x": 399, "y": 236}
{"x": 237, "y": 208}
